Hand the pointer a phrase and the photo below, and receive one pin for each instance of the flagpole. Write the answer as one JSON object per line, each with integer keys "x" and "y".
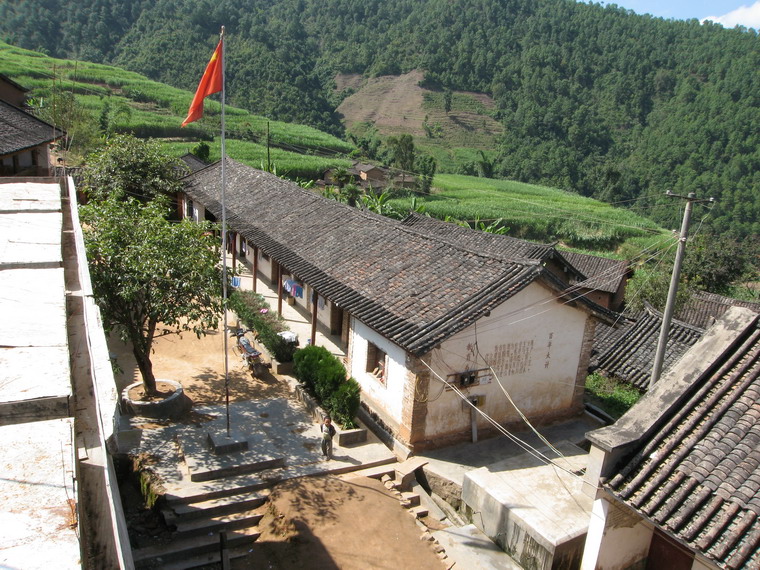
{"x": 224, "y": 247}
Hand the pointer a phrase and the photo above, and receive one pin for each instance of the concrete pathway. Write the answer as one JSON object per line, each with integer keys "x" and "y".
{"x": 282, "y": 443}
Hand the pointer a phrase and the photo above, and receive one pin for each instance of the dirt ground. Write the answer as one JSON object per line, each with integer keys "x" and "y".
{"x": 328, "y": 522}
{"x": 198, "y": 364}
{"x": 323, "y": 522}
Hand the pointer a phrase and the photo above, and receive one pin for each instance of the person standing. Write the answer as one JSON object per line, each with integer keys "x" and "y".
{"x": 328, "y": 432}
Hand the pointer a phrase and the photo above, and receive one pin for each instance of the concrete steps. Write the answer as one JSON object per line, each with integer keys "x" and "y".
{"x": 215, "y": 524}
{"x": 180, "y": 550}
{"x": 198, "y": 522}
{"x": 207, "y": 559}
{"x": 235, "y": 502}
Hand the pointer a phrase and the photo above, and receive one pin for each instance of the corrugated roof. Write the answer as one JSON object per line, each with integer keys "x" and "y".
{"x": 698, "y": 475}
{"x": 21, "y": 130}
{"x": 414, "y": 288}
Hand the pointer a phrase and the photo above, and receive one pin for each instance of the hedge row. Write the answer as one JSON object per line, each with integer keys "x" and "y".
{"x": 256, "y": 315}
{"x": 325, "y": 376}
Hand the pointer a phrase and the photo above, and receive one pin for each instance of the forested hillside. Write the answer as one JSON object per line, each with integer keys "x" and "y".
{"x": 593, "y": 99}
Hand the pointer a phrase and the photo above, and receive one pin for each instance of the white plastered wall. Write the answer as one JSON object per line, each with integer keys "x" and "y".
{"x": 616, "y": 538}
{"x": 387, "y": 396}
{"x": 534, "y": 344}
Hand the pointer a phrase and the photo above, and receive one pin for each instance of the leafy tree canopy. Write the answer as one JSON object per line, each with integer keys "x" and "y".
{"x": 151, "y": 276}
{"x": 131, "y": 167}
{"x": 593, "y": 99}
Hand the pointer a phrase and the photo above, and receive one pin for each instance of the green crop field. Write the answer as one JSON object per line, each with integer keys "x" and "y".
{"x": 156, "y": 109}
{"x": 536, "y": 212}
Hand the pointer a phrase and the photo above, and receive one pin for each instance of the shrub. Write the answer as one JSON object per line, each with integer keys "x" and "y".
{"x": 330, "y": 375}
{"x": 344, "y": 403}
{"x": 256, "y": 315}
{"x": 325, "y": 376}
{"x": 306, "y": 364}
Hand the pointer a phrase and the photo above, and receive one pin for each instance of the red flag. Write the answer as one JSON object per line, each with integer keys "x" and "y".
{"x": 211, "y": 83}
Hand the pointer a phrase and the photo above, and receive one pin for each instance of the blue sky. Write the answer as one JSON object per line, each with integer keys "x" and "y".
{"x": 726, "y": 12}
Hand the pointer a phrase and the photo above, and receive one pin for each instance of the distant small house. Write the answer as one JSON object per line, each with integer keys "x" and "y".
{"x": 429, "y": 314}
{"x": 703, "y": 308}
{"x": 676, "y": 480}
{"x": 25, "y": 140}
{"x": 605, "y": 278}
{"x": 11, "y": 92}
{"x": 372, "y": 176}
{"x": 627, "y": 351}
{"x": 193, "y": 162}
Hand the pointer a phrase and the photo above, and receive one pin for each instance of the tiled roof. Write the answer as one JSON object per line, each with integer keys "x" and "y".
{"x": 21, "y": 130}
{"x": 500, "y": 245}
{"x": 193, "y": 162}
{"x": 703, "y": 308}
{"x": 628, "y": 353}
{"x": 415, "y": 289}
{"x": 698, "y": 475}
{"x": 603, "y": 274}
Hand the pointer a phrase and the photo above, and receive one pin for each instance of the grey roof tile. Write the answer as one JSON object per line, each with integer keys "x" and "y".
{"x": 703, "y": 482}
{"x": 20, "y": 130}
{"x": 410, "y": 285}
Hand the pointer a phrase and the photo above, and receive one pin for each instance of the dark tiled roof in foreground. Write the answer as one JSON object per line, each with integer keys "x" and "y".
{"x": 628, "y": 353}
{"x": 703, "y": 308}
{"x": 415, "y": 289}
{"x": 21, "y": 130}
{"x": 698, "y": 475}
{"x": 603, "y": 274}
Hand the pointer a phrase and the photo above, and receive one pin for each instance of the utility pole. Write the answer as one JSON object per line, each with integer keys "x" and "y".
{"x": 674, "y": 279}
{"x": 269, "y": 160}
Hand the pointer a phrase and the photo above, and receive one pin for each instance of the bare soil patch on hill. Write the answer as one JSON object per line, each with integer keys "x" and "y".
{"x": 395, "y": 104}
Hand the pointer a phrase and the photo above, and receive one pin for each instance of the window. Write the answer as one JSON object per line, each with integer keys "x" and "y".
{"x": 189, "y": 209}
{"x": 376, "y": 361}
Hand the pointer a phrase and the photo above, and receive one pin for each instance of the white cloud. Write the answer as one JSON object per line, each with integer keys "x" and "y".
{"x": 747, "y": 16}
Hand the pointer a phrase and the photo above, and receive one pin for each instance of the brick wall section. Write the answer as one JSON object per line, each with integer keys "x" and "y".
{"x": 585, "y": 358}
{"x": 414, "y": 406}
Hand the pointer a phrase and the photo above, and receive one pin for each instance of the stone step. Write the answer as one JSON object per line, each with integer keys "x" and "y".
{"x": 157, "y": 556}
{"x": 213, "y": 507}
{"x": 376, "y": 472}
{"x": 419, "y": 512}
{"x": 212, "y": 525}
{"x": 405, "y": 472}
{"x": 188, "y": 492}
{"x": 410, "y": 499}
{"x": 206, "y": 559}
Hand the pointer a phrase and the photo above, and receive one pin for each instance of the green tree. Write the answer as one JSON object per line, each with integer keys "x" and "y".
{"x": 425, "y": 167}
{"x": 130, "y": 167}
{"x": 202, "y": 151}
{"x": 715, "y": 263}
{"x": 150, "y": 276}
{"x": 447, "y": 99}
{"x": 401, "y": 151}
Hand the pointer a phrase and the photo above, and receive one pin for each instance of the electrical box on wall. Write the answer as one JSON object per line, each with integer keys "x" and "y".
{"x": 477, "y": 401}
{"x": 470, "y": 378}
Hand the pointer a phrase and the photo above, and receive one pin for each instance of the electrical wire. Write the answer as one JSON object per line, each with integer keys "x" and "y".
{"x": 501, "y": 429}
